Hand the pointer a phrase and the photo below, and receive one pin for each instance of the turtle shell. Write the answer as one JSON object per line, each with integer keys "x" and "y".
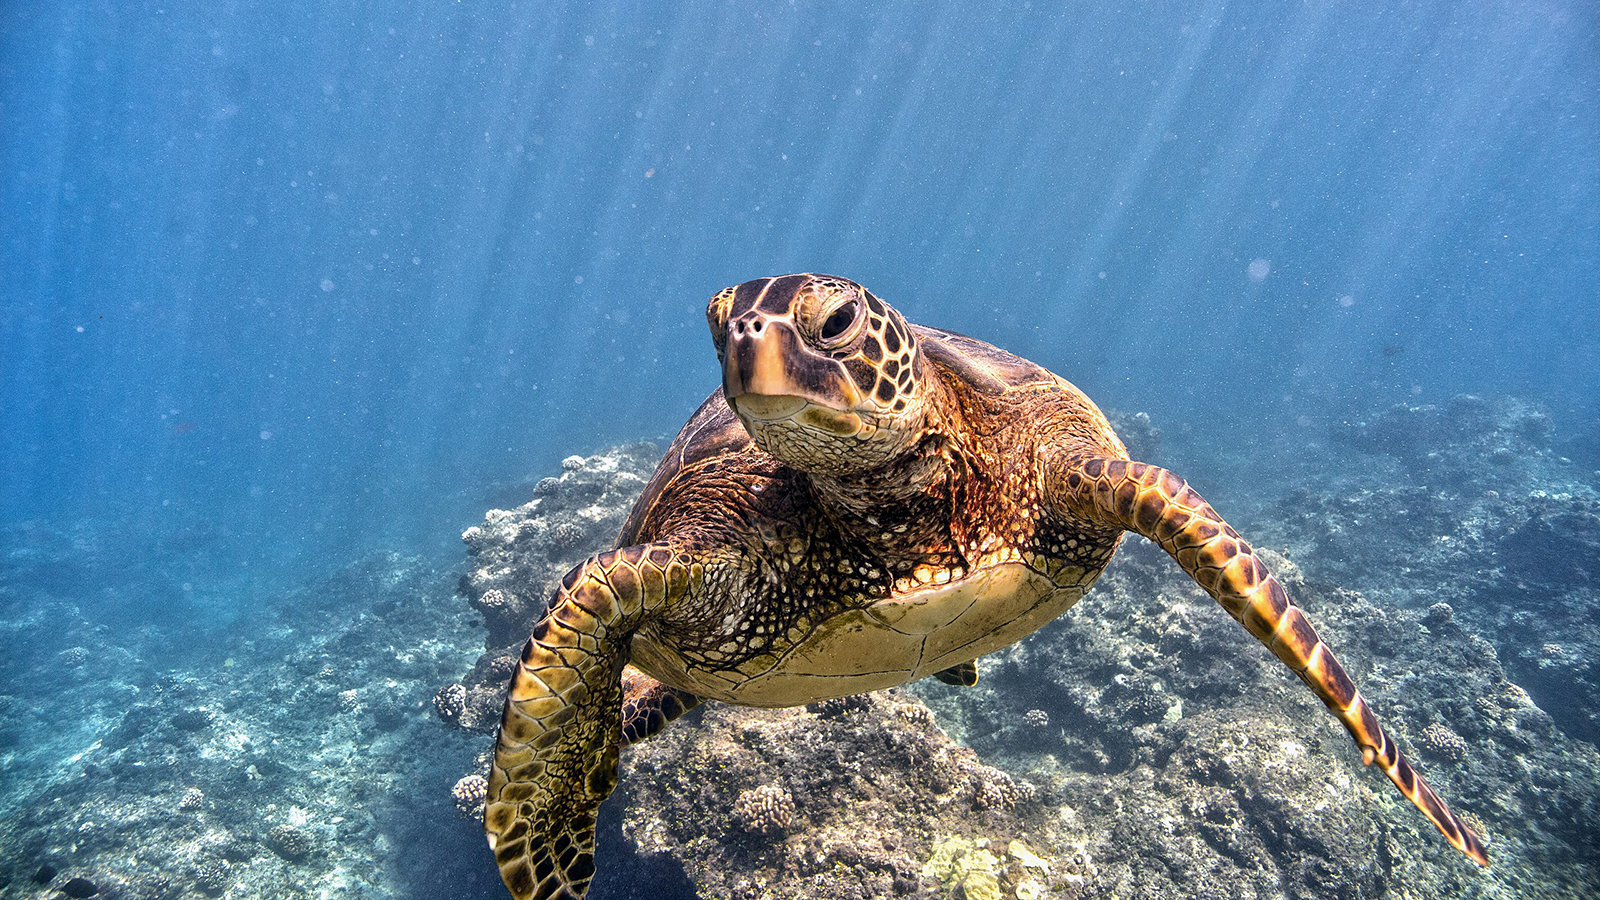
{"x": 714, "y": 431}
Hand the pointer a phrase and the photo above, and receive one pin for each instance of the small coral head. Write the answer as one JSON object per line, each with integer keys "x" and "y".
{"x": 823, "y": 374}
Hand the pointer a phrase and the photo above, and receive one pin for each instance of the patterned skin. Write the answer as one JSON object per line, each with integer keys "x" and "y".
{"x": 864, "y": 503}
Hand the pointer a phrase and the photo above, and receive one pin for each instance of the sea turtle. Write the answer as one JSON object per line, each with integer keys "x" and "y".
{"x": 863, "y": 503}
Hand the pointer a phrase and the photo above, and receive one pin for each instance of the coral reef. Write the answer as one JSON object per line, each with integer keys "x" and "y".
{"x": 290, "y": 842}
{"x": 211, "y": 876}
{"x": 767, "y": 810}
{"x": 470, "y": 793}
{"x": 1143, "y": 746}
{"x": 1438, "y": 740}
{"x": 872, "y": 791}
{"x": 968, "y": 869}
{"x": 281, "y": 765}
{"x": 450, "y": 701}
{"x": 519, "y": 554}
{"x": 1245, "y": 787}
{"x": 1469, "y": 501}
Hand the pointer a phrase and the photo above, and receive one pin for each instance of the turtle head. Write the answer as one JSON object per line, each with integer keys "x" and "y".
{"x": 824, "y": 375}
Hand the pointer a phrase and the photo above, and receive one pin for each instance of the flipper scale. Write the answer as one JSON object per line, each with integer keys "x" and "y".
{"x": 563, "y": 724}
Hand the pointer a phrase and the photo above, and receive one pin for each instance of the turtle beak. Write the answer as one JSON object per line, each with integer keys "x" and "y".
{"x": 769, "y": 373}
{"x": 754, "y": 361}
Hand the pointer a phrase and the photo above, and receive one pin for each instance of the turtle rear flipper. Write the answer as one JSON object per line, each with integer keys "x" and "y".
{"x": 648, "y": 705}
{"x": 1161, "y": 506}
{"x": 962, "y": 675}
{"x": 556, "y": 757}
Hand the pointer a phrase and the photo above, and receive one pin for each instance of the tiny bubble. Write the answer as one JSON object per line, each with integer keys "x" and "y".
{"x": 327, "y": 285}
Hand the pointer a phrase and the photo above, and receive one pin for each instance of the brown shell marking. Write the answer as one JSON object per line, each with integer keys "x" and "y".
{"x": 1161, "y": 506}
{"x": 986, "y": 368}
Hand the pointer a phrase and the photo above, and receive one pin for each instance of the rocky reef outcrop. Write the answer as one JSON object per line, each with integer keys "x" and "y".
{"x": 835, "y": 800}
{"x": 519, "y": 555}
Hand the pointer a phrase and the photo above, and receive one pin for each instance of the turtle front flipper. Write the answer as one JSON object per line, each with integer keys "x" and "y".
{"x": 1161, "y": 506}
{"x": 556, "y": 757}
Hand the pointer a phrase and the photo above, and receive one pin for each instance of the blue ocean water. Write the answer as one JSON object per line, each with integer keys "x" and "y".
{"x": 296, "y": 275}
{"x": 283, "y": 284}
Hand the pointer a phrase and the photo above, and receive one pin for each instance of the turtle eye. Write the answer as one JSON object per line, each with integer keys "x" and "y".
{"x": 717, "y": 318}
{"x": 838, "y": 324}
